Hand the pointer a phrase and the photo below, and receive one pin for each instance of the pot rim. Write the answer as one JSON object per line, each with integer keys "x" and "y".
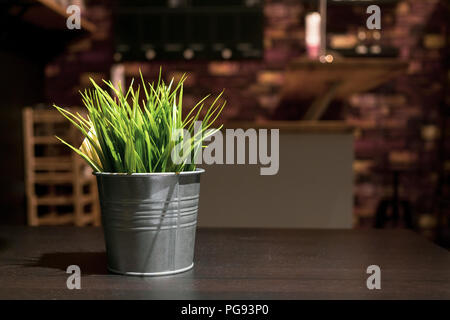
{"x": 150, "y": 174}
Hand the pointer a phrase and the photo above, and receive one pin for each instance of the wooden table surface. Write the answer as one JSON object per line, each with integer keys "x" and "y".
{"x": 231, "y": 264}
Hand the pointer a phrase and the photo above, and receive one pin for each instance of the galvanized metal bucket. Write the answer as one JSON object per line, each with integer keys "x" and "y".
{"x": 149, "y": 221}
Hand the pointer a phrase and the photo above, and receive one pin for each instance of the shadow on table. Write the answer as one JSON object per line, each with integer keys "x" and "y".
{"x": 90, "y": 263}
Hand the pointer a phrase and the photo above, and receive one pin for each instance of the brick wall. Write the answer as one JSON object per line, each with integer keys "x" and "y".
{"x": 396, "y": 123}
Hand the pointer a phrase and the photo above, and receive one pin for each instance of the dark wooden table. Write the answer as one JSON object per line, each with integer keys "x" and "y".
{"x": 231, "y": 264}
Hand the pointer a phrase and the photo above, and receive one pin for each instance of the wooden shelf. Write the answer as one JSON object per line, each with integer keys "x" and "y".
{"x": 46, "y": 174}
{"x": 63, "y": 200}
{"x": 307, "y": 79}
{"x": 48, "y": 14}
{"x": 321, "y": 83}
{"x": 48, "y": 178}
{"x": 46, "y": 140}
{"x": 52, "y": 163}
{"x": 41, "y": 27}
{"x": 54, "y": 219}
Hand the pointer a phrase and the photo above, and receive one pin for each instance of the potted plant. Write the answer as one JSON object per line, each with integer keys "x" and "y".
{"x": 148, "y": 190}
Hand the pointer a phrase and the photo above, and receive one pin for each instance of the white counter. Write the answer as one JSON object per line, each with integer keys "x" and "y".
{"x": 313, "y": 187}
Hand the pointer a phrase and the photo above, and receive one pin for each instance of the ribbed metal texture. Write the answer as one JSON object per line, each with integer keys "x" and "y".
{"x": 149, "y": 221}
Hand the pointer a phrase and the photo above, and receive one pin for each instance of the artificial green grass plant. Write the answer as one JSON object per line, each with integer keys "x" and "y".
{"x": 126, "y": 135}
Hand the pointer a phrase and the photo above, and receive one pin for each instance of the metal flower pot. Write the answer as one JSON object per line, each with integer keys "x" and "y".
{"x": 149, "y": 221}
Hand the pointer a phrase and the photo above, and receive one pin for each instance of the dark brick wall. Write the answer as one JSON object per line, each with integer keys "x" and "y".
{"x": 396, "y": 123}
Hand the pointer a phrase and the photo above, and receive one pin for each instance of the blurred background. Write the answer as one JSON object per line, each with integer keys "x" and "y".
{"x": 376, "y": 99}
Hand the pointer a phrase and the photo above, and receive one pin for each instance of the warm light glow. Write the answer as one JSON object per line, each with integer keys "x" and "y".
{"x": 312, "y": 21}
{"x": 326, "y": 59}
